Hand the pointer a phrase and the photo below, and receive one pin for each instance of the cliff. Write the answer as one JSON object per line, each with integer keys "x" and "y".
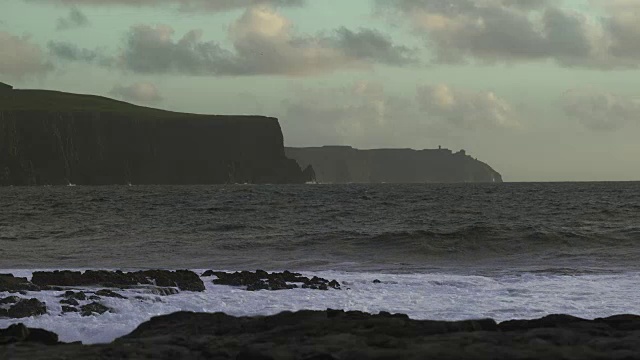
{"x": 49, "y": 137}
{"x": 344, "y": 164}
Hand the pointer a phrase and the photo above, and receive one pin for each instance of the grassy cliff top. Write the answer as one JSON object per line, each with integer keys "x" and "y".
{"x": 47, "y": 100}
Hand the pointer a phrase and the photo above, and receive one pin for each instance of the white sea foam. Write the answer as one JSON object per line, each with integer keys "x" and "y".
{"x": 421, "y": 296}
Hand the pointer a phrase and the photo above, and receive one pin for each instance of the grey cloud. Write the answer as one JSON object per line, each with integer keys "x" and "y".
{"x": 153, "y": 50}
{"x": 466, "y": 109}
{"x": 20, "y": 57}
{"x": 373, "y": 45}
{"x": 264, "y": 43}
{"x": 141, "y": 92}
{"x": 523, "y": 30}
{"x": 624, "y": 28}
{"x": 75, "y": 19}
{"x": 183, "y": 5}
{"x": 70, "y": 52}
{"x": 600, "y": 111}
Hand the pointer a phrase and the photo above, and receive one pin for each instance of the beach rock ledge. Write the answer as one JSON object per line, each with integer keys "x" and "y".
{"x": 336, "y": 334}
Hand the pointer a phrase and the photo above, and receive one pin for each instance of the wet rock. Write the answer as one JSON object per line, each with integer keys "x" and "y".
{"x": 93, "y": 308}
{"x": 79, "y": 295}
{"x": 182, "y": 279}
{"x": 20, "y": 333}
{"x": 68, "y": 309}
{"x": 72, "y": 302}
{"x": 94, "y": 298}
{"x": 164, "y": 291}
{"x": 109, "y": 293}
{"x": 9, "y": 300}
{"x": 338, "y": 334}
{"x": 376, "y": 281}
{"x": 262, "y": 280}
{"x": 26, "y": 308}
{"x": 10, "y": 283}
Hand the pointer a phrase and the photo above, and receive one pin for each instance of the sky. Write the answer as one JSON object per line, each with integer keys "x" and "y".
{"x": 541, "y": 90}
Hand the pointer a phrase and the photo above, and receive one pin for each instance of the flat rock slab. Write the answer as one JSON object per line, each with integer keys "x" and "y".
{"x": 10, "y": 283}
{"x": 335, "y": 334}
{"x": 182, "y": 279}
{"x": 262, "y": 280}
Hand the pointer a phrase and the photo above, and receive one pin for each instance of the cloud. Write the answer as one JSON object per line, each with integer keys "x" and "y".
{"x": 466, "y": 109}
{"x": 360, "y": 114}
{"x": 20, "y": 57}
{"x": 141, "y": 92}
{"x": 182, "y": 5}
{"x": 600, "y": 111}
{"x": 75, "y": 19}
{"x": 264, "y": 43}
{"x": 498, "y": 31}
{"x": 70, "y": 52}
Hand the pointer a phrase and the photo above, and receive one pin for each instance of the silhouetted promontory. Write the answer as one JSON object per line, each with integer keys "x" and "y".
{"x": 344, "y": 164}
{"x": 57, "y": 138}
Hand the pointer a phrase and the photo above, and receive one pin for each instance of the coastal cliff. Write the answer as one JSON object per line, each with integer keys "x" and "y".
{"x": 344, "y": 164}
{"x": 56, "y": 138}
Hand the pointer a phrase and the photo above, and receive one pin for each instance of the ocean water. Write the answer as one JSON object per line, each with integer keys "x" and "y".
{"x": 440, "y": 251}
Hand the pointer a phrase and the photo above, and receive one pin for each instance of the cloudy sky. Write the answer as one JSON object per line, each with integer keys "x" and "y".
{"x": 542, "y": 90}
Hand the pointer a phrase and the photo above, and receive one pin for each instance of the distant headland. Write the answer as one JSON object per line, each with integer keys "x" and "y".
{"x": 344, "y": 164}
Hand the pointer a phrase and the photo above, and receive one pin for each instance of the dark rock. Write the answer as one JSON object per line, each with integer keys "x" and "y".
{"x": 20, "y": 333}
{"x": 10, "y": 283}
{"x": 252, "y": 355}
{"x": 208, "y": 273}
{"x": 262, "y": 280}
{"x": 109, "y": 293}
{"x": 79, "y": 295}
{"x": 68, "y": 309}
{"x": 9, "y": 300}
{"x": 308, "y": 174}
{"x": 27, "y": 308}
{"x": 94, "y": 298}
{"x": 14, "y": 333}
{"x": 550, "y": 321}
{"x": 42, "y": 336}
{"x": 338, "y": 334}
{"x": 624, "y": 322}
{"x": 182, "y": 279}
{"x": 71, "y": 301}
{"x": 93, "y": 308}
{"x": 59, "y": 138}
{"x": 376, "y": 281}
{"x": 164, "y": 291}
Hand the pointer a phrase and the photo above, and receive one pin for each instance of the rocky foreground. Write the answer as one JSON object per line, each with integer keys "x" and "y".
{"x": 308, "y": 335}
{"x": 334, "y": 334}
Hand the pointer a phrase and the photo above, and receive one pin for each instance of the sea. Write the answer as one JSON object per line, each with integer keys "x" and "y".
{"x": 436, "y": 251}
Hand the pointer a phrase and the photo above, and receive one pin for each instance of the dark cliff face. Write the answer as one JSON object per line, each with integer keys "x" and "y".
{"x": 58, "y": 138}
{"x": 343, "y": 164}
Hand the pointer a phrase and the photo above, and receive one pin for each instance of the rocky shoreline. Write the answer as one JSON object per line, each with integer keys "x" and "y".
{"x": 103, "y": 283}
{"x": 306, "y": 334}
{"x": 335, "y": 334}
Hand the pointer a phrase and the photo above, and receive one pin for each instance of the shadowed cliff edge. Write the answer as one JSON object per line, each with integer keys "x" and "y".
{"x": 344, "y": 164}
{"x": 57, "y": 138}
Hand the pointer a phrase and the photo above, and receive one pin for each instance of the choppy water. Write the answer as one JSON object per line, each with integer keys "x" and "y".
{"x": 557, "y": 228}
{"x": 441, "y": 251}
